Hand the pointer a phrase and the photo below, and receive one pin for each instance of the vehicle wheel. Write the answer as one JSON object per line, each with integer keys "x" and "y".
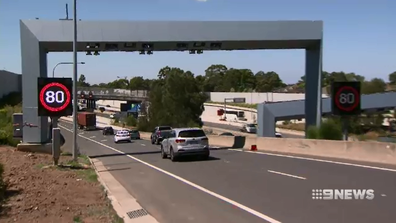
{"x": 116, "y": 142}
{"x": 163, "y": 154}
{"x": 152, "y": 141}
{"x": 157, "y": 142}
{"x": 172, "y": 155}
{"x": 130, "y": 141}
{"x": 205, "y": 157}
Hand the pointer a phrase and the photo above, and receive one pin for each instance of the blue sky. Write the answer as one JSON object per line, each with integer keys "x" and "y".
{"x": 359, "y": 35}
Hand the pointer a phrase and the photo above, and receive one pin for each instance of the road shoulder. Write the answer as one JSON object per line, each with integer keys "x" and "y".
{"x": 123, "y": 203}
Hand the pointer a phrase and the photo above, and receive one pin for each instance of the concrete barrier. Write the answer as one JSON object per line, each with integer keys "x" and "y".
{"x": 374, "y": 152}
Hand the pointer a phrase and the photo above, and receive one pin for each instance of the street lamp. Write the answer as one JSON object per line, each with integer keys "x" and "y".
{"x": 74, "y": 147}
{"x": 63, "y": 63}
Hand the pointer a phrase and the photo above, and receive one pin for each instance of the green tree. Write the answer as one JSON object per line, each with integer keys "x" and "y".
{"x": 214, "y": 78}
{"x": 82, "y": 81}
{"x": 392, "y": 78}
{"x": 267, "y": 82}
{"x": 175, "y": 99}
{"x": 139, "y": 83}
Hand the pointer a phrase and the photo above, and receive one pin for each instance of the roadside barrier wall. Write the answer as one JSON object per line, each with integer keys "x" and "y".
{"x": 375, "y": 152}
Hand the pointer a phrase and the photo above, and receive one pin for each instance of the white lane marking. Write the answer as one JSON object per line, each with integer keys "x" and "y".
{"x": 288, "y": 175}
{"x": 143, "y": 144}
{"x": 92, "y": 137}
{"x": 383, "y": 195}
{"x": 241, "y": 206}
{"x": 323, "y": 161}
{"x": 103, "y": 140}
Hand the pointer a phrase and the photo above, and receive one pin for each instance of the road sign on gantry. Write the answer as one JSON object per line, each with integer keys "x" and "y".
{"x": 54, "y": 96}
{"x": 345, "y": 98}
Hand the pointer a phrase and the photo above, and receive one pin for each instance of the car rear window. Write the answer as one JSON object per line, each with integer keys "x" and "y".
{"x": 134, "y": 131}
{"x": 192, "y": 133}
{"x": 164, "y": 128}
{"x": 251, "y": 125}
{"x": 122, "y": 133}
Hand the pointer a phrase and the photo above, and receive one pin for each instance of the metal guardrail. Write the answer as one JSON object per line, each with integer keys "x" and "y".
{"x": 114, "y": 92}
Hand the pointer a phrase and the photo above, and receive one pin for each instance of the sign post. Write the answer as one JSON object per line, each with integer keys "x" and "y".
{"x": 345, "y": 102}
{"x": 54, "y": 101}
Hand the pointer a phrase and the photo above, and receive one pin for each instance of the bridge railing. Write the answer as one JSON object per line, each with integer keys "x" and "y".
{"x": 114, "y": 92}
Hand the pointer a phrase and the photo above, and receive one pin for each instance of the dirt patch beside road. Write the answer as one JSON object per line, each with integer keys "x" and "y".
{"x": 39, "y": 192}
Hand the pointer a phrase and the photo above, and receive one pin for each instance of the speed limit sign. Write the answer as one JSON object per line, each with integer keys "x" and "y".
{"x": 345, "y": 97}
{"x": 54, "y": 97}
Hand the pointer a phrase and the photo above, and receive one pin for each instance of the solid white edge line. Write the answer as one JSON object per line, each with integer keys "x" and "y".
{"x": 312, "y": 159}
{"x": 288, "y": 175}
{"x": 241, "y": 206}
{"x": 323, "y": 161}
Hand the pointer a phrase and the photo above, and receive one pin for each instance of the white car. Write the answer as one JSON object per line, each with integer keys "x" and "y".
{"x": 185, "y": 142}
{"x": 249, "y": 128}
{"x": 278, "y": 135}
{"x": 122, "y": 136}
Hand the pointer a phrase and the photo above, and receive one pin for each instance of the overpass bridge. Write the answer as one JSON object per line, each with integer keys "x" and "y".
{"x": 114, "y": 94}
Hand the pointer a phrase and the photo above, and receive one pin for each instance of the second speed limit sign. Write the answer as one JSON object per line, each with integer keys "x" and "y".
{"x": 345, "y": 98}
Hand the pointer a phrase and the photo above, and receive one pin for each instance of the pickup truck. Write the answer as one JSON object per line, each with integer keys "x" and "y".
{"x": 86, "y": 120}
{"x": 159, "y": 133}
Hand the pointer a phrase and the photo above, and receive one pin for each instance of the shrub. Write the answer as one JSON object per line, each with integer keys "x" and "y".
{"x": 331, "y": 130}
{"x": 6, "y": 127}
{"x": 313, "y": 132}
{"x": 131, "y": 121}
{"x": 144, "y": 125}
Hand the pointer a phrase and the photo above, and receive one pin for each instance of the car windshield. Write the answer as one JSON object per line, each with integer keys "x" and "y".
{"x": 161, "y": 128}
{"x": 122, "y": 133}
{"x": 192, "y": 133}
{"x": 251, "y": 125}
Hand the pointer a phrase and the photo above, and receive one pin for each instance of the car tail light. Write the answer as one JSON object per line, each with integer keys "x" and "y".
{"x": 180, "y": 140}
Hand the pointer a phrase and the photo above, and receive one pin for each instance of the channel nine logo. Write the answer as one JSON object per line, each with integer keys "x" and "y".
{"x": 343, "y": 194}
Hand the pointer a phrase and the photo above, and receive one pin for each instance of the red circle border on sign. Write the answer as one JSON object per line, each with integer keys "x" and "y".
{"x": 337, "y": 101}
{"x": 54, "y": 84}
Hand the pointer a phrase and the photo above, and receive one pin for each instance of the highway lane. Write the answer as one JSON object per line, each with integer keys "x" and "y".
{"x": 222, "y": 126}
{"x": 235, "y": 128}
{"x": 249, "y": 179}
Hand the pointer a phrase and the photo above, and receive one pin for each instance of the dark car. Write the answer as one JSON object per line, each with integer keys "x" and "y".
{"x": 159, "y": 133}
{"x": 135, "y": 134}
{"x": 108, "y": 130}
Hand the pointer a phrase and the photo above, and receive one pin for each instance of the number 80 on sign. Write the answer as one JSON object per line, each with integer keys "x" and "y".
{"x": 345, "y": 98}
{"x": 54, "y": 98}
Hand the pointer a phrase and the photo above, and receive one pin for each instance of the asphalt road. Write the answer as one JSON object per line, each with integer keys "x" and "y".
{"x": 239, "y": 187}
{"x": 222, "y": 126}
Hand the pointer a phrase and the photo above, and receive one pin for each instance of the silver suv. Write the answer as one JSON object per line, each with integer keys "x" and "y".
{"x": 185, "y": 142}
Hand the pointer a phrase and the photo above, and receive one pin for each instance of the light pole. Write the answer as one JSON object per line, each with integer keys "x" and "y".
{"x": 63, "y": 63}
{"x": 75, "y": 149}
{"x": 54, "y": 121}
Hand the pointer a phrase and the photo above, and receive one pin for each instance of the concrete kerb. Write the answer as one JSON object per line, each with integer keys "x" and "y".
{"x": 117, "y": 207}
{"x": 119, "y": 197}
